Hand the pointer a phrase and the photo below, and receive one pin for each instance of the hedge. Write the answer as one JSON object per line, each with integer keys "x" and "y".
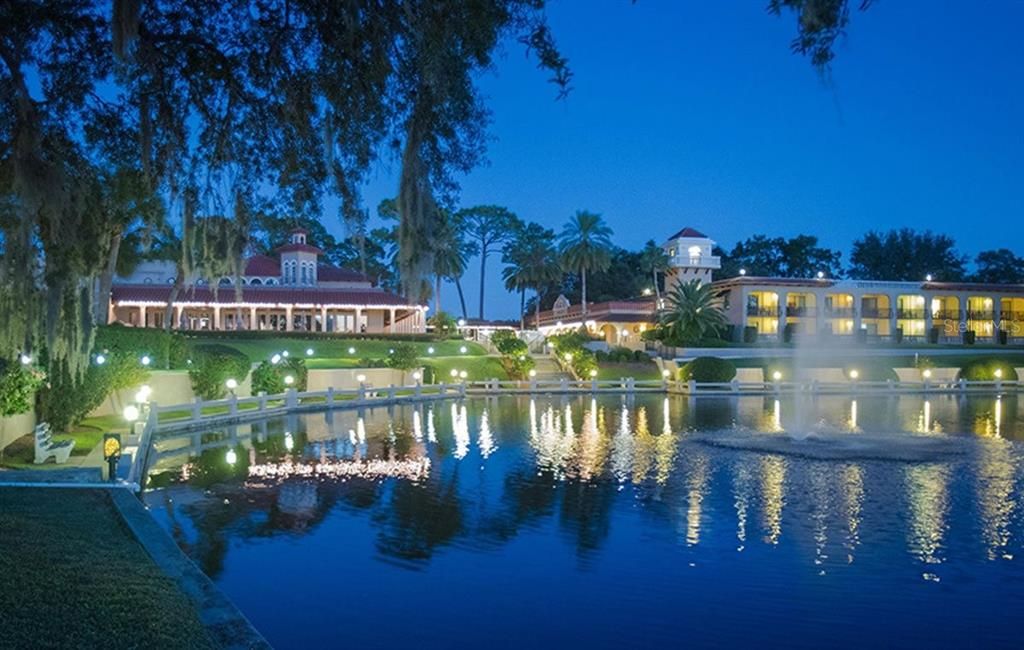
{"x": 212, "y": 365}
{"x": 985, "y": 370}
{"x": 708, "y": 370}
{"x": 403, "y": 357}
{"x": 166, "y": 349}
{"x": 18, "y": 385}
{"x": 64, "y": 402}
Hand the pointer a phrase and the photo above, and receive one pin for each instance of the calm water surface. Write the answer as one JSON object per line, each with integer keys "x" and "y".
{"x": 572, "y": 522}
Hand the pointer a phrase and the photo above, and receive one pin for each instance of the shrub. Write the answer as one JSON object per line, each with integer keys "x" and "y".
{"x": 212, "y": 365}
{"x": 985, "y": 370}
{"x": 403, "y": 358}
{"x": 708, "y": 369}
{"x": 506, "y": 342}
{"x": 372, "y": 362}
{"x": 640, "y": 356}
{"x": 269, "y": 378}
{"x": 18, "y": 385}
{"x": 444, "y": 324}
{"x": 65, "y": 401}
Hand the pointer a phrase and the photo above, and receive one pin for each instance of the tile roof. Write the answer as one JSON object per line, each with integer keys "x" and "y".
{"x": 327, "y": 273}
{"x": 689, "y": 232}
{"x": 301, "y": 248}
{"x": 261, "y": 295}
{"x": 263, "y": 266}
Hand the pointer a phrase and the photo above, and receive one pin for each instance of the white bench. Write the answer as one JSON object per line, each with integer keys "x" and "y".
{"x": 46, "y": 447}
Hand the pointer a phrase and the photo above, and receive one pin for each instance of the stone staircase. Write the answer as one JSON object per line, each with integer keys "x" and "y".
{"x": 547, "y": 369}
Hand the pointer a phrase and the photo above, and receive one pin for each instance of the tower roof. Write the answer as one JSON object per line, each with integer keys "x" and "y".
{"x": 689, "y": 232}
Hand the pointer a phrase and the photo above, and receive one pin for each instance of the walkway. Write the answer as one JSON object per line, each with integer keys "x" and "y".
{"x": 547, "y": 369}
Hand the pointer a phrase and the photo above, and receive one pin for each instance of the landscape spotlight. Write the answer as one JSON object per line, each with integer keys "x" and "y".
{"x": 533, "y": 373}
{"x": 289, "y": 442}
{"x": 665, "y": 373}
{"x": 143, "y": 394}
{"x": 391, "y": 350}
{"x": 454, "y": 373}
{"x": 463, "y": 374}
{"x": 231, "y": 457}
{"x": 430, "y": 350}
{"x": 309, "y": 352}
{"x": 26, "y": 359}
{"x": 927, "y": 373}
{"x": 416, "y": 375}
{"x": 593, "y": 373}
{"x": 928, "y": 278}
{"x": 351, "y": 350}
{"x": 821, "y": 274}
{"x": 743, "y": 271}
{"x": 231, "y": 383}
{"x": 289, "y": 380}
{"x": 462, "y": 322}
{"x": 647, "y": 292}
{"x": 285, "y": 353}
{"x": 100, "y": 359}
{"x": 998, "y": 373}
{"x": 462, "y": 349}
{"x": 276, "y": 359}
{"x": 146, "y": 360}
{"x": 360, "y": 378}
{"x": 568, "y": 356}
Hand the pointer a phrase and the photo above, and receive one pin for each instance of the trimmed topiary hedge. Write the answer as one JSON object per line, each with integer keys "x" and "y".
{"x": 708, "y": 370}
{"x": 270, "y": 378}
{"x": 403, "y": 357}
{"x": 166, "y": 349}
{"x": 64, "y": 402}
{"x": 212, "y": 365}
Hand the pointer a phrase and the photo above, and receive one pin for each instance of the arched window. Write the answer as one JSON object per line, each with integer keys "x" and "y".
{"x": 225, "y": 282}
{"x": 255, "y": 282}
{"x": 303, "y": 273}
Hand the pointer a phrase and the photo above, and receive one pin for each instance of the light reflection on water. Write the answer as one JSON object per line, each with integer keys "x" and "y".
{"x": 554, "y": 510}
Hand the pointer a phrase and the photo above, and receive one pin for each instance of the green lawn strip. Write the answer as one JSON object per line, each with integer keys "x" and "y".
{"x": 478, "y": 368}
{"x": 185, "y": 414}
{"x": 607, "y": 371}
{"x": 21, "y": 453}
{"x": 74, "y": 577}
{"x": 336, "y": 350}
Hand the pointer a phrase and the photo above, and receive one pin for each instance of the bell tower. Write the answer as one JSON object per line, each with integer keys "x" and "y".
{"x": 689, "y": 258}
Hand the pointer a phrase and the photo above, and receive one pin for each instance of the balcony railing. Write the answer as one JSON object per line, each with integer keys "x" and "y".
{"x": 753, "y": 310}
{"x": 839, "y": 312}
{"x": 910, "y": 314}
{"x": 1015, "y": 316}
{"x": 696, "y": 261}
{"x": 980, "y": 315}
{"x": 946, "y": 314}
{"x": 876, "y": 312}
{"x": 799, "y": 311}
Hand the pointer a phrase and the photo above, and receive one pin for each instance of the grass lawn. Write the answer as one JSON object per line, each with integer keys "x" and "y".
{"x": 75, "y": 577}
{"x": 20, "y": 453}
{"x": 334, "y": 352}
{"x": 477, "y": 367}
{"x": 607, "y": 371}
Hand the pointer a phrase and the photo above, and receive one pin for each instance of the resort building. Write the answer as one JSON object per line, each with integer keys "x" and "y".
{"x": 780, "y": 308}
{"x": 293, "y": 291}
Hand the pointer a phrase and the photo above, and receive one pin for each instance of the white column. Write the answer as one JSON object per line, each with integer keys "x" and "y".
{"x": 359, "y": 320}
{"x": 288, "y": 318}
{"x": 216, "y": 317}
{"x": 323, "y": 318}
{"x": 178, "y": 309}
{"x": 253, "y": 323}
{"x": 391, "y": 323}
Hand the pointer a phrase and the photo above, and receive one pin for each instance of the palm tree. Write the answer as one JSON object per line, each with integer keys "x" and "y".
{"x": 532, "y": 263}
{"x": 451, "y": 251}
{"x": 585, "y": 244}
{"x": 654, "y": 259}
{"x": 692, "y": 310}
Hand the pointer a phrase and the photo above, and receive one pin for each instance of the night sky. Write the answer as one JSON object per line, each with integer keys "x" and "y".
{"x": 695, "y": 113}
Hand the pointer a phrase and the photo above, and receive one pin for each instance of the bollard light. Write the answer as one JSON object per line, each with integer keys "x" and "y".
{"x": 131, "y": 413}
{"x": 289, "y": 380}
{"x": 100, "y": 359}
{"x": 146, "y": 360}
{"x": 231, "y": 383}
{"x": 276, "y": 359}
{"x": 776, "y": 375}
{"x": 309, "y": 352}
{"x": 926, "y": 373}
{"x": 533, "y": 373}
{"x": 854, "y": 374}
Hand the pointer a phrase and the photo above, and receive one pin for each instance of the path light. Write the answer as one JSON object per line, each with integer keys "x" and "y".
{"x": 232, "y": 384}
{"x": 593, "y": 373}
{"x": 854, "y": 374}
{"x": 776, "y": 375}
{"x": 533, "y": 373}
{"x": 926, "y": 373}
{"x": 928, "y": 278}
{"x": 143, "y": 394}
{"x": 231, "y": 457}
{"x": 463, "y": 374}
{"x": 743, "y": 271}
{"x": 462, "y": 349}
{"x": 309, "y": 352}
{"x": 568, "y": 356}
{"x": 821, "y": 274}
{"x": 276, "y": 359}
{"x": 360, "y": 378}
{"x": 289, "y": 380}
{"x": 665, "y": 373}
{"x": 351, "y": 350}
{"x": 146, "y": 360}
{"x": 100, "y": 359}
{"x": 454, "y": 373}
{"x": 26, "y": 359}
{"x": 998, "y": 373}
{"x": 131, "y": 413}
{"x": 285, "y": 353}
{"x": 430, "y": 350}
{"x": 391, "y": 350}
{"x": 417, "y": 376}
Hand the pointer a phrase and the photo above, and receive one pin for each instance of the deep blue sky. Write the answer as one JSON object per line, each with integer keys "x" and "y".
{"x": 697, "y": 113}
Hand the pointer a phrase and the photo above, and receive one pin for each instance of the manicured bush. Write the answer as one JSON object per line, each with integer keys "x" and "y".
{"x": 444, "y": 324}
{"x": 372, "y": 362}
{"x": 403, "y": 358}
{"x": 65, "y": 401}
{"x": 639, "y": 356}
{"x": 18, "y": 385}
{"x": 708, "y": 369}
{"x": 985, "y": 370}
{"x": 270, "y": 378}
{"x": 212, "y": 365}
